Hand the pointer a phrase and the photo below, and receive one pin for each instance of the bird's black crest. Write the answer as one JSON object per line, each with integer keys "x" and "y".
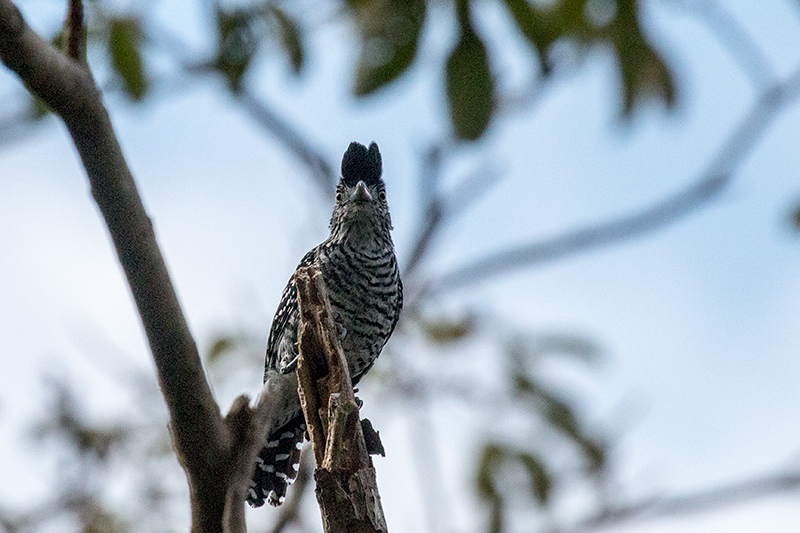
{"x": 361, "y": 164}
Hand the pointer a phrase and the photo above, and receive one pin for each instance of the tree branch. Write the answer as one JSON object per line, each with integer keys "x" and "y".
{"x": 711, "y": 183}
{"x": 440, "y": 208}
{"x": 73, "y": 30}
{"x": 247, "y": 427}
{"x": 324, "y": 176}
{"x": 70, "y": 91}
{"x": 691, "y": 503}
{"x": 217, "y": 454}
{"x": 347, "y": 490}
{"x": 743, "y": 48}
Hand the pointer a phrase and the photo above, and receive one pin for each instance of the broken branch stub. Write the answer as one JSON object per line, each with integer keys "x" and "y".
{"x": 347, "y": 490}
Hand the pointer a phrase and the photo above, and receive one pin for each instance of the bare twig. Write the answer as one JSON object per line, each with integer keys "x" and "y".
{"x": 731, "y": 34}
{"x": 297, "y": 143}
{"x": 441, "y": 208}
{"x": 347, "y": 491}
{"x": 690, "y": 503}
{"x": 73, "y": 30}
{"x": 711, "y": 183}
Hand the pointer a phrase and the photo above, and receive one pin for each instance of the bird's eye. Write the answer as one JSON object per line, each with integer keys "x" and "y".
{"x": 382, "y": 196}
{"x": 338, "y": 196}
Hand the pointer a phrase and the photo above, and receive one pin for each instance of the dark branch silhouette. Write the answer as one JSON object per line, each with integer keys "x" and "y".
{"x": 268, "y": 119}
{"x": 217, "y": 453}
{"x": 713, "y": 181}
{"x": 743, "y": 48}
{"x": 73, "y": 30}
{"x": 708, "y": 500}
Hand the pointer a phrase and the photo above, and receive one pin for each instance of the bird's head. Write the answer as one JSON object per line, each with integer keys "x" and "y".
{"x": 360, "y": 194}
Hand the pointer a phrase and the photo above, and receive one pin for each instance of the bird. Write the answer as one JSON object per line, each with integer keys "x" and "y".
{"x": 360, "y": 271}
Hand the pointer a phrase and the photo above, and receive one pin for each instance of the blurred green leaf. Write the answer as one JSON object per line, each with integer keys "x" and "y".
{"x": 221, "y": 346}
{"x": 66, "y": 424}
{"x": 38, "y": 108}
{"x": 236, "y": 45}
{"x": 540, "y": 480}
{"x": 390, "y": 31}
{"x": 565, "y": 344}
{"x": 561, "y": 416}
{"x": 445, "y": 330}
{"x": 470, "y": 87}
{"x": 96, "y": 519}
{"x": 558, "y": 413}
{"x": 58, "y": 40}
{"x": 290, "y": 38}
{"x": 595, "y": 455}
{"x": 124, "y": 46}
{"x": 644, "y": 74}
{"x": 489, "y": 461}
{"x": 490, "y": 457}
{"x": 795, "y": 217}
{"x": 539, "y": 29}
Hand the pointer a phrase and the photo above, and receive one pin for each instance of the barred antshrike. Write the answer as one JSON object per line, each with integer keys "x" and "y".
{"x": 359, "y": 268}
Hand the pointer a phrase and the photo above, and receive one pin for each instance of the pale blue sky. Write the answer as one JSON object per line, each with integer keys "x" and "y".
{"x": 698, "y": 321}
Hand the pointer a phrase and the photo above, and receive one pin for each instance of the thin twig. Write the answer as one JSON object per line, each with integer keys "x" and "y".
{"x": 708, "y": 500}
{"x": 74, "y": 30}
{"x": 752, "y": 59}
{"x": 708, "y": 187}
{"x": 441, "y": 208}
{"x": 429, "y": 178}
{"x": 298, "y": 143}
{"x": 291, "y": 138}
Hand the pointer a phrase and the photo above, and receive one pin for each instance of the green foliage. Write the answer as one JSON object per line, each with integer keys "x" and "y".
{"x": 389, "y": 33}
{"x": 38, "y": 109}
{"x": 470, "y": 87}
{"x": 644, "y": 74}
{"x": 446, "y": 330}
{"x": 220, "y": 347}
{"x": 560, "y": 415}
{"x": 534, "y": 399}
{"x": 124, "y": 47}
{"x": 496, "y": 456}
{"x": 290, "y": 38}
{"x": 795, "y": 218}
{"x": 237, "y": 44}
{"x": 588, "y": 22}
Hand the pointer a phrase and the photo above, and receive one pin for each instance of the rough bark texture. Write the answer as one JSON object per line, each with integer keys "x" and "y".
{"x": 347, "y": 489}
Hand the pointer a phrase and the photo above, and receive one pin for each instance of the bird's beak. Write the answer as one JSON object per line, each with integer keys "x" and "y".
{"x": 361, "y": 194}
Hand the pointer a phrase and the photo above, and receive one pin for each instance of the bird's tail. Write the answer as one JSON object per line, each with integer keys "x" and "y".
{"x": 277, "y": 463}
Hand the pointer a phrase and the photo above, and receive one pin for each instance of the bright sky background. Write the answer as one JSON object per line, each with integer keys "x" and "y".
{"x": 699, "y": 322}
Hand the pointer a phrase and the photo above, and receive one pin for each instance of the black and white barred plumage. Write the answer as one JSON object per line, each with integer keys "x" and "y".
{"x": 359, "y": 267}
